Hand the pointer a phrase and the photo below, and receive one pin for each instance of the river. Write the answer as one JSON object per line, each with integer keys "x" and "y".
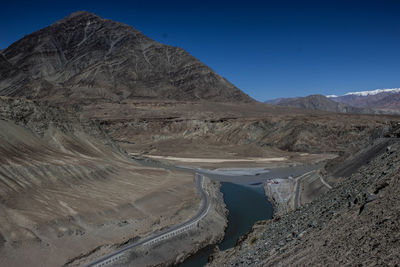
{"x": 243, "y": 190}
{"x": 246, "y": 205}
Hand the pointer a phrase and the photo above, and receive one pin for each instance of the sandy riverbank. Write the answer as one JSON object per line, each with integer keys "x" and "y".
{"x": 231, "y": 162}
{"x": 219, "y": 160}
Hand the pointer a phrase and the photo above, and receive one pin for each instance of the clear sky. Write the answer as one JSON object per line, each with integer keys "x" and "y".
{"x": 268, "y": 49}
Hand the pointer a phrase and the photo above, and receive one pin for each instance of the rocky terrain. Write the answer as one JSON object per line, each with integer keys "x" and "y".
{"x": 233, "y": 130}
{"x": 84, "y": 58}
{"x": 354, "y": 223}
{"x": 80, "y": 93}
{"x": 67, "y": 190}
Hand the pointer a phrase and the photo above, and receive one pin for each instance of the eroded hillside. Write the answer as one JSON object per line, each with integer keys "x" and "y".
{"x": 233, "y": 129}
{"x": 67, "y": 189}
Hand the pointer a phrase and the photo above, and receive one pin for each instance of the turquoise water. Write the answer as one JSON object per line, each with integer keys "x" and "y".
{"x": 246, "y": 205}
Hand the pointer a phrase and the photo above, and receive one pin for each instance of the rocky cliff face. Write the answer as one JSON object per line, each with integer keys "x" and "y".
{"x": 87, "y": 57}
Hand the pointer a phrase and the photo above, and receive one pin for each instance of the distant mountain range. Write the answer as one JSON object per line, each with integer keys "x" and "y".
{"x": 317, "y": 102}
{"x": 384, "y": 100}
{"x": 84, "y": 57}
{"x": 380, "y": 101}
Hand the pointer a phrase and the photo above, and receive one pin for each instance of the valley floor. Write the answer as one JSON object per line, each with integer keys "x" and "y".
{"x": 70, "y": 192}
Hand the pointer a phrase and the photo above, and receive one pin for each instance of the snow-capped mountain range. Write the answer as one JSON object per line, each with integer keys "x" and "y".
{"x": 367, "y": 93}
{"x": 382, "y": 100}
{"x": 379, "y": 101}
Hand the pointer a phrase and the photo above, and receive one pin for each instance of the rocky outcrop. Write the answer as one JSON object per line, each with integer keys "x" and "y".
{"x": 355, "y": 223}
{"x": 84, "y": 58}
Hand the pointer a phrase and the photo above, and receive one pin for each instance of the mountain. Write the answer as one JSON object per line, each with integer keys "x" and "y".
{"x": 84, "y": 57}
{"x": 317, "y": 102}
{"x": 386, "y": 100}
{"x": 4, "y": 64}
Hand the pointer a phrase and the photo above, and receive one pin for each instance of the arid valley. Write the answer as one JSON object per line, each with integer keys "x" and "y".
{"x": 118, "y": 150}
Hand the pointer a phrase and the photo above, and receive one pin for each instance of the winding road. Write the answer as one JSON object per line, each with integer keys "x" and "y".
{"x": 173, "y": 231}
{"x": 117, "y": 255}
{"x": 297, "y": 187}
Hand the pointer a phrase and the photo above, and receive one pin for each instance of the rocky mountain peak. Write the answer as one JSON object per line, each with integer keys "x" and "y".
{"x": 84, "y": 57}
{"x": 81, "y": 14}
{"x": 78, "y": 18}
{"x": 84, "y": 19}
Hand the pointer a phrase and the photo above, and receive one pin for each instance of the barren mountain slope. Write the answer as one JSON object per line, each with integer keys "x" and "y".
{"x": 66, "y": 190}
{"x": 83, "y": 57}
{"x": 355, "y": 224}
{"x": 233, "y": 130}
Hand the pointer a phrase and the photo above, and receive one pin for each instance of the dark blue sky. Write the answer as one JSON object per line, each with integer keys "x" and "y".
{"x": 268, "y": 49}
